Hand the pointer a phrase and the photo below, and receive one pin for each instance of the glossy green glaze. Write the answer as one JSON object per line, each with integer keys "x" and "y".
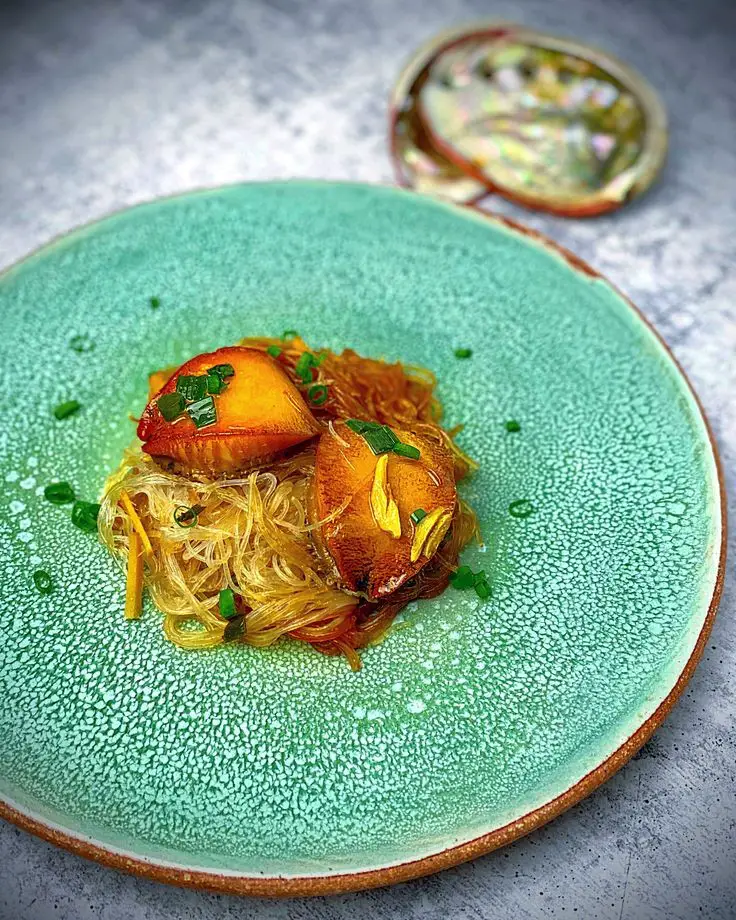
{"x": 470, "y": 714}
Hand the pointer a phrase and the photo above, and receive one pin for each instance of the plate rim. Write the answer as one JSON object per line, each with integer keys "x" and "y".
{"x": 336, "y": 883}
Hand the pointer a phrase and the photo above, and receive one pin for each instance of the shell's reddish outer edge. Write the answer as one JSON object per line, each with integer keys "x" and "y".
{"x": 297, "y": 886}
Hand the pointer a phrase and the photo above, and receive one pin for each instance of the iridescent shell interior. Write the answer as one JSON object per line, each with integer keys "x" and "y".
{"x": 420, "y": 166}
{"x": 536, "y": 121}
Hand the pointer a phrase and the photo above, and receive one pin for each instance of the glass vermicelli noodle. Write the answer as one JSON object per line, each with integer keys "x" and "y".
{"x": 256, "y": 533}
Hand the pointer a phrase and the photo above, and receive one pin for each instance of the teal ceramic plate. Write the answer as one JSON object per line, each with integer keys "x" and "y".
{"x": 281, "y": 771}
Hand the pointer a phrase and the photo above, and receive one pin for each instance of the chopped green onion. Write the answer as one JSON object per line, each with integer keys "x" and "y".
{"x": 462, "y": 578}
{"x": 235, "y": 629}
{"x": 273, "y": 350}
{"x": 171, "y": 405}
{"x": 59, "y": 493}
{"x": 42, "y": 581}
{"x": 289, "y": 334}
{"x": 215, "y": 384}
{"x": 407, "y": 450}
{"x": 521, "y": 508}
{"x": 81, "y": 344}
{"x": 318, "y": 394}
{"x": 227, "y": 604}
{"x": 463, "y": 352}
{"x": 65, "y": 409}
{"x": 359, "y": 426}
{"x": 84, "y": 515}
{"x": 513, "y": 425}
{"x": 222, "y": 370}
{"x": 381, "y": 440}
{"x": 192, "y": 387}
{"x": 482, "y": 589}
{"x": 187, "y": 517}
{"x": 416, "y": 516}
{"x": 155, "y": 303}
{"x": 304, "y": 366}
{"x": 203, "y": 412}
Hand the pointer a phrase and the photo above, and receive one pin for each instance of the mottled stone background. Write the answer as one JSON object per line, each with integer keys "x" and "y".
{"x": 105, "y": 104}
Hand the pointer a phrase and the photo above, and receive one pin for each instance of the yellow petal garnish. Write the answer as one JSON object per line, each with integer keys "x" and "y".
{"x": 385, "y": 510}
{"x": 134, "y": 581}
{"x": 438, "y": 532}
{"x": 136, "y": 523}
{"x": 429, "y": 532}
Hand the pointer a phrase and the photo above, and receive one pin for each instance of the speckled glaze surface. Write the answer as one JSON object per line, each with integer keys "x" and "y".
{"x": 283, "y": 763}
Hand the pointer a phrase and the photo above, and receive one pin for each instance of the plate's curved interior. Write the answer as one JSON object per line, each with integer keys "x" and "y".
{"x": 283, "y": 762}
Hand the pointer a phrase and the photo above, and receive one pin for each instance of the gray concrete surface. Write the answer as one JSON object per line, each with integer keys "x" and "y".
{"x": 105, "y": 104}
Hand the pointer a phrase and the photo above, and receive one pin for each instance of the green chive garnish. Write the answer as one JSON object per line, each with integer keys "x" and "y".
{"x": 42, "y": 581}
{"x": 192, "y": 387}
{"x": 59, "y": 493}
{"x": 406, "y": 450}
{"x": 273, "y": 350}
{"x": 462, "y": 578}
{"x": 222, "y": 370}
{"x": 155, "y": 303}
{"x": 463, "y": 352}
{"x": 203, "y": 412}
{"x": 289, "y": 334}
{"x": 187, "y": 517}
{"x": 215, "y": 384}
{"x": 65, "y": 409}
{"x": 416, "y": 516}
{"x": 359, "y": 426}
{"x": 381, "y": 440}
{"x": 318, "y": 394}
{"x": 521, "y": 508}
{"x": 171, "y": 405}
{"x": 304, "y": 366}
{"x": 227, "y": 604}
{"x": 84, "y": 516}
{"x": 482, "y": 589}
{"x": 513, "y": 425}
{"x": 81, "y": 344}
